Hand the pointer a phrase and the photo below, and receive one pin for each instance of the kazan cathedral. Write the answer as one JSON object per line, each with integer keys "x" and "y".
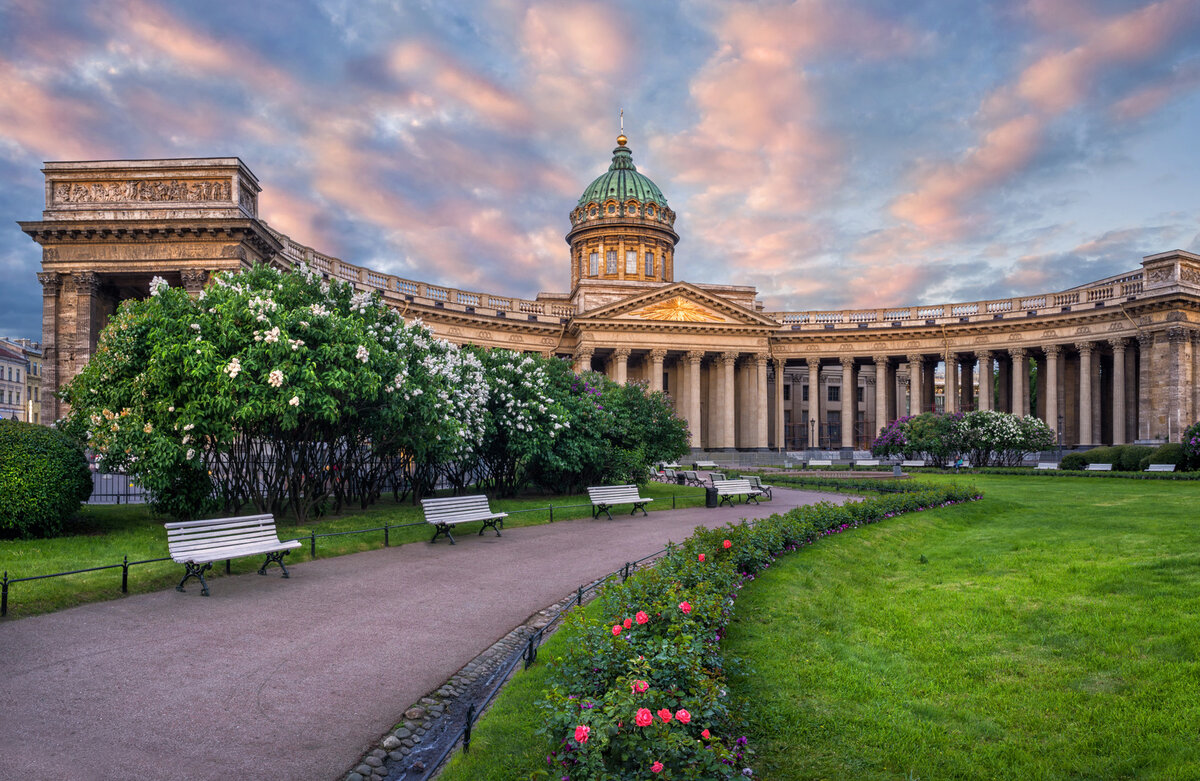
{"x": 1117, "y": 360}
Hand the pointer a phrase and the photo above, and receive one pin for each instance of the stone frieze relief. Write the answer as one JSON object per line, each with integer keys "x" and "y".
{"x": 143, "y": 190}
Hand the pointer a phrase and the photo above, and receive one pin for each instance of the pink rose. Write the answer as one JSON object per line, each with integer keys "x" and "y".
{"x": 616, "y": 629}
{"x": 641, "y": 617}
{"x": 628, "y": 623}
{"x": 684, "y": 606}
{"x": 639, "y": 686}
{"x": 657, "y": 767}
{"x": 728, "y": 544}
{"x": 581, "y": 733}
{"x": 644, "y": 718}
{"x": 683, "y": 716}
{"x": 705, "y": 735}
{"x": 665, "y": 715}
{"x": 701, "y": 558}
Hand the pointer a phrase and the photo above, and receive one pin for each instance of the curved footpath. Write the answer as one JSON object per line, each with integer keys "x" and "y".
{"x": 293, "y": 679}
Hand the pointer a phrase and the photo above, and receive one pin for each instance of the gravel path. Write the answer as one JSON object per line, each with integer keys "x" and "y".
{"x": 292, "y": 679}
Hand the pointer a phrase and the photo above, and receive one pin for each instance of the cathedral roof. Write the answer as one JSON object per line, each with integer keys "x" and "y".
{"x": 622, "y": 181}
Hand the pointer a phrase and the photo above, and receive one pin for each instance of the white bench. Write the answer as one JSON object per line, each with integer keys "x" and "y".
{"x": 605, "y": 497}
{"x": 914, "y": 464}
{"x": 699, "y": 465}
{"x": 1160, "y": 468}
{"x": 1047, "y": 465}
{"x": 713, "y": 477}
{"x": 726, "y": 489}
{"x": 691, "y": 478}
{"x": 449, "y": 511}
{"x": 867, "y": 462}
{"x": 1098, "y": 468}
{"x": 821, "y": 462}
{"x": 197, "y": 544}
{"x": 757, "y": 483}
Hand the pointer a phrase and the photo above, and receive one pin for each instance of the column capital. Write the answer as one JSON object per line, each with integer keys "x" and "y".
{"x": 695, "y": 356}
{"x": 86, "y": 282}
{"x": 621, "y": 352}
{"x": 846, "y": 362}
{"x": 1145, "y": 340}
{"x": 1052, "y": 350}
{"x": 51, "y": 281}
{"x": 1017, "y": 353}
{"x": 194, "y": 279}
{"x": 916, "y": 359}
{"x": 951, "y": 358}
{"x": 760, "y": 359}
{"x": 729, "y": 358}
{"x": 1118, "y": 343}
{"x": 983, "y": 355}
{"x": 1178, "y": 335}
{"x": 658, "y": 354}
{"x": 813, "y": 363}
{"x": 879, "y": 360}
{"x": 1085, "y": 347}
{"x": 584, "y": 352}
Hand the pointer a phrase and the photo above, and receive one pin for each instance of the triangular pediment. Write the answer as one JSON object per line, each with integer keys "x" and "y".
{"x": 677, "y": 304}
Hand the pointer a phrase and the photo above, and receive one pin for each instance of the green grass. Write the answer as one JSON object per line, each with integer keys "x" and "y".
{"x": 1045, "y": 632}
{"x": 104, "y": 534}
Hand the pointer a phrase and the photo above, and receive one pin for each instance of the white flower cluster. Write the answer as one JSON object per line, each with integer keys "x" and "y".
{"x": 234, "y": 367}
{"x": 363, "y": 354}
{"x": 158, "y": 285}
{"x": 275, "y": 378}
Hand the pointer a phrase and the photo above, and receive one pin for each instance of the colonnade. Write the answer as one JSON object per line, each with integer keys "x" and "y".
{"x": 1091, "y": 392}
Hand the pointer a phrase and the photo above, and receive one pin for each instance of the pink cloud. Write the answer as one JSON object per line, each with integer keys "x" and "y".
{"x": 450, "y": 81}
{"x": 47, "y": 125}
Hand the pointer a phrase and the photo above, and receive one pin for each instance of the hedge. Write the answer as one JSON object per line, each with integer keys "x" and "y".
{"x": 641, "y": 690}
{"x": 43, "y": 479}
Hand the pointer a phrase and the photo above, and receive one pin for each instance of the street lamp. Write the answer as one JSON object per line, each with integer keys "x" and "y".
{"x": 812, "y": 433}
{"x": 1060, "y": 436}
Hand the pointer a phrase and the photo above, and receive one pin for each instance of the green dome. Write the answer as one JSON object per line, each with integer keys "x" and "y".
{"x": 622, "y": 182}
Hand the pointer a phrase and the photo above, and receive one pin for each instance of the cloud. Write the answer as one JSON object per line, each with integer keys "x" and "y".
{"x": 37, "y": 118}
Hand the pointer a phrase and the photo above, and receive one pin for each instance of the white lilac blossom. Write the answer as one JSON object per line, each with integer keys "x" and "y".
{"x": 158, "y": 285}
{"x": 275, "y": 378}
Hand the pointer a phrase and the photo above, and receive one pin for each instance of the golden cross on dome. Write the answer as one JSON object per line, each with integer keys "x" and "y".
{"x": 621, "y": 139}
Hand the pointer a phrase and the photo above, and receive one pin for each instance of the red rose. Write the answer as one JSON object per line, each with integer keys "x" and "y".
{"x": 728, "y": 544}
{"x": 644, "y": 718}
{"x": 616, "y": 629}
{"x": 683, "y": 716}
{"x": 657, "y": 767}
{"x": 701, "y": 558}
{"x": 581, "y": 733}
{"x": 705, "y": 735}
{"x": 665, "y": 715}
{"x": 628, "y": 623}
{"x": 639, "y": 687}
{"x": 641, "y": 617}
{"x": 685, "y": 607}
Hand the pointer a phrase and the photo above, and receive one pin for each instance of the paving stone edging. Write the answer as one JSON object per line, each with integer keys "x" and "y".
{"x": 406, "y": 752}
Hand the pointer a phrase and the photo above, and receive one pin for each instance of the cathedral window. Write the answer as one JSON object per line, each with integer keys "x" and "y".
{"x": 592, "y": 212}
{"x": 610, "y": 262}
{"x": 649, "y": 264}
{"x": 630, "y": 261}
{"x": 649, "y": 211}
{"x": 594, "y": 263}
{"x": 612, "y": 208}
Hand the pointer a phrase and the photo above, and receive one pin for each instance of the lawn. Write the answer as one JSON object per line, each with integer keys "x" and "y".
{"x": 103, "y": 535}
{"x": 1045, "y": 632}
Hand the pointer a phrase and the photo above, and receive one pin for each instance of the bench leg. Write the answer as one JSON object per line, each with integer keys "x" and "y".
{"x": 495, "y": 523}
{"x": 277, "y": 557}
{"x": 751, "y": 498}
{"x": 603, "y": 508}
{"x": 638, "y": 506}
{"x": 726, "y": 499}
{"x": 439, "y": 530}
{"x": 195, "y": 571}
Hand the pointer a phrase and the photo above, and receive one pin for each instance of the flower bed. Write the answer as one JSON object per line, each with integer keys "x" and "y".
{"x": 640, "y": 692}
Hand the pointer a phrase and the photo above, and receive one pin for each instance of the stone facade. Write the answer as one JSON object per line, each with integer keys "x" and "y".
{"x": 1116, "y": 360}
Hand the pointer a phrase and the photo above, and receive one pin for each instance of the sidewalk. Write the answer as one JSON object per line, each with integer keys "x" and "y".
{"x": 293, "y": 679}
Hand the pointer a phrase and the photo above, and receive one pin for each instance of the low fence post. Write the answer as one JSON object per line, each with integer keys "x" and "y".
{"x": 579, "y": 597}
{"x": 386, "y": 540}
{"x": 312, "y": 544}
{"x": 467, "y": 728}
{"x": 125, "y": 575}
{"x": 551, "y": 513}
{"x": 4, "y": 595}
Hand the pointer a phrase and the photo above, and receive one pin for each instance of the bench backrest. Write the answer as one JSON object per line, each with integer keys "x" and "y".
{"x": 867, "y": 462}
{"x": 1161, "y": 468}
{"x": 608, "y": 494}
{"x": 912, "y": 463}
{"x": 755, "y": 481}
{"x": 1098, "y": 468}
{"x": 689, "y": 474}
{"x": 820, "y": 462}
{"x": 213, "y": 534}
{"x": 706, "y": 465}
{"x": 741, "y": 486}
{"x": 455, "y": 507}
{"x": 1047, "y": 465}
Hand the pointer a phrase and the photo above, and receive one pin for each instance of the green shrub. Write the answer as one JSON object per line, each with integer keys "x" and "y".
{"x": 1170, "y": 453}
{"x": 1076, "y": 461}
{"x": 1103, "y": 455}
{"x": 1130, "y": 456}
{"x": 1191, "y": 446}
{"x": 43, "y": 479}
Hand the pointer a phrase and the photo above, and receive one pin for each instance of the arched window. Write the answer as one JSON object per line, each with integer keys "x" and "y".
{"x": 610, "y": 262}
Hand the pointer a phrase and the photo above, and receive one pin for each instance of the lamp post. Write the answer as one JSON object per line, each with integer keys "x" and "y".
{"x": 1060, "y": 437}
{"x": 812, "y": 433}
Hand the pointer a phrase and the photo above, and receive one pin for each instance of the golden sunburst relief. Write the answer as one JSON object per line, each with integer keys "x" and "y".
{"x": 677, "y": 309}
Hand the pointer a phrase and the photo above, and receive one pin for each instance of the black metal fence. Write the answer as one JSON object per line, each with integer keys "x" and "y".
{"x": 115, "y": 488}
{"x": 310, "y": 539}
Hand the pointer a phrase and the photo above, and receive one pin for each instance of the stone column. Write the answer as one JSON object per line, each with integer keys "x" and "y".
{"x": 882, "y": 383}
{"x": 814, "y": 402}
{"x": 1118, "y": 390}
{"x": 657, "y": 357}
{"x": 1003, "y": 400}
{"x": 951, "y": 389}
{"x": 1085, "y": 392}
{"x": 849, "y": 395}
{"x": 728, "y": 405}
{"x": 692, "y": 379}
{"x": 746, "y": 381}
{"x": 583, "y": 360}
{"x": 51, "y": 409}
{"x": 1147, "y": 421}
{"x": 87, "y": 285}
{"x": 194, "y": 280}
{"x": 1051, "y": 407}
{"x": 780, "y": 378}
{"x": 966, "y": 395}
{"x": 1020, "y": 380}
{"x": 621, "y": 365}
{"x": 1179, "y": 382}
{"x": 986, "y": 379}
{"x": 760, "y": 403}
{"x": 916, "y": 383}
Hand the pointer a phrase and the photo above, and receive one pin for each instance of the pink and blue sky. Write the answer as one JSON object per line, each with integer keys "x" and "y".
{"x": 833, "y": 153}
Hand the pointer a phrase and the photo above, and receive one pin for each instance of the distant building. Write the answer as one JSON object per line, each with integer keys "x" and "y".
{"x": 13, "y": 368}
{"x": 32, "y": 352}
